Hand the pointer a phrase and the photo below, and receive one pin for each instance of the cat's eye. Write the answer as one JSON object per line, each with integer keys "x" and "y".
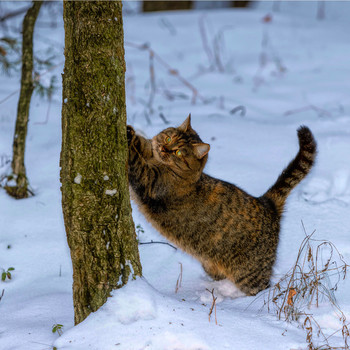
{"x": 168, "y": 139}
{"x": 178, "y": 153}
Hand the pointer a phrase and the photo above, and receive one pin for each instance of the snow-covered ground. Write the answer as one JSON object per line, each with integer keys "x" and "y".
{"x": 285, "y": 69}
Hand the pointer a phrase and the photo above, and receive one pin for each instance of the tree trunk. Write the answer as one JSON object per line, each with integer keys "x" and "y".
{"x": 240, "y": 4}
{"x": 94, "y": 156}
{"x": 149, "y": 6}
{"x": 17, "y": 182}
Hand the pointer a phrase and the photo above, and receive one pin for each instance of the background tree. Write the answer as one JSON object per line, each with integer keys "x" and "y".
{"x": 239, "y": 4}
{"x": 17, "y": 183}
{"x": 148, "y": 6}
{"x": 95, "y": 193}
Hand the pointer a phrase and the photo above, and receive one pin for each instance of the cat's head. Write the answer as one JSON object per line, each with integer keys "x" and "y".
{"x": 181, "y": 149}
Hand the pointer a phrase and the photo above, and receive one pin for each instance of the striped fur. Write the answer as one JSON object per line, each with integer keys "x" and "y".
{"x": 297, "y": 169}
{"x": 233, "y": 234}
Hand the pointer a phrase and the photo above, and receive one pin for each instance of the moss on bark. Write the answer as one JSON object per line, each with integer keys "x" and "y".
{"x": 17, "y": 184}
{"x": 94, "y": 156}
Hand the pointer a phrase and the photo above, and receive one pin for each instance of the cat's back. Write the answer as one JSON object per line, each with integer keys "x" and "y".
{"x": 225, "y": 201}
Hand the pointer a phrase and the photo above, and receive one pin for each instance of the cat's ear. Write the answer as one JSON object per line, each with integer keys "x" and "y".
{"x": 186, "y": 125}
{"x": 201, "y": 149}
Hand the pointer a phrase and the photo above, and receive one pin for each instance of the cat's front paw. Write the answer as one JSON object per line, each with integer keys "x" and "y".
{"x": 130, "y": 132}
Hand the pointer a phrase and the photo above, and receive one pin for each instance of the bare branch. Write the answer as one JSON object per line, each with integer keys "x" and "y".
{"x": 156, "y": 242}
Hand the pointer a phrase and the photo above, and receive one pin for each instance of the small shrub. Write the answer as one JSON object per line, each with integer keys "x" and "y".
{"x": 57, "y": 328}
{"x": 139, "y": 229}
{"x": 6, "y": 274}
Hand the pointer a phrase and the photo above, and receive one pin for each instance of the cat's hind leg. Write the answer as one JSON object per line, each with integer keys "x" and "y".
{"x": 212, "y": 271}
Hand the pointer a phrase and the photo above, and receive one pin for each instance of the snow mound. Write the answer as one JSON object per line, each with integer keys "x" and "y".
{"x": 132, "y": 303}
{"x": 325, "y": 189}
{"x": 221, "y": 289}
{"x": 136, "y": 317}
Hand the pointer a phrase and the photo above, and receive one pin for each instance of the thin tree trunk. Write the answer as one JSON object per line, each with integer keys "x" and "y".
{"x": 17, "y": 182}
{"x": 94, "y": 156}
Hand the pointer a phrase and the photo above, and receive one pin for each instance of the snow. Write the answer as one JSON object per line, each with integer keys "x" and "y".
{"x": 168, "y": 308}
{"x": 111, "y": 192}
{"x": 78, "y": 179}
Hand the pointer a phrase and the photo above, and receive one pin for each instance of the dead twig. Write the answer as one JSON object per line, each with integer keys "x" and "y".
{"x": 205, "y": 42}
{"x": 152, "y": 81}
{"x": 4, "y": 160}
{"x": 320, "y": 112}
{"x": 267, "y": 54}
{"x": 165, "y": 23}
{"x": 214, "y": 53}
{"x": 179, "y": 280}
{"x": 213, "y": 305}
{"x": 161, "y": 115}
{"x": 218, "y": 45}
{"x": 239, "y": 109}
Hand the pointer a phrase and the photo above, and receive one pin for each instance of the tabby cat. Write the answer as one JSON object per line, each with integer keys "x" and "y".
{"x": 233, "y": 234}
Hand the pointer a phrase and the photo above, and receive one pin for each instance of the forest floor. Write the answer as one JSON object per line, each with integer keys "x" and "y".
{"x": 249, "y": 78}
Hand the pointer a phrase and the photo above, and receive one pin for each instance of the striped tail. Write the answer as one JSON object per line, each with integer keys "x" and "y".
{"x": 297, "y": 169}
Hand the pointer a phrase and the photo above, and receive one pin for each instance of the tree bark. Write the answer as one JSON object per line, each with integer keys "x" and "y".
{"x": 17, "y": 182}
{"x": 169, "y": 5}
{"x": 94, "y": 157}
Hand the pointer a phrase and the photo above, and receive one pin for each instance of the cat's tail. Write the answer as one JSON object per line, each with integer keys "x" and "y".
{"x": 297, "y": 169}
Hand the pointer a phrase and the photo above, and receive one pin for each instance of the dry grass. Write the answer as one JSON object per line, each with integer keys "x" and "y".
{"x": 215, "y": 49}
{"x": 154, "y": 57}
{"x": 268, "y": 55}
{"x": 312, "y": 280}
